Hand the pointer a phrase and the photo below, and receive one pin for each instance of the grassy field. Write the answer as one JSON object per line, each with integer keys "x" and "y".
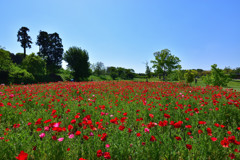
{"x": 234, "y": 84}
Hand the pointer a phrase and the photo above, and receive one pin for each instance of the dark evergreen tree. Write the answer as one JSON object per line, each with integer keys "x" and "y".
{"x": 51, "y": 50}
{"x": 78, "y": 63}
{"x": 24, "y": 39}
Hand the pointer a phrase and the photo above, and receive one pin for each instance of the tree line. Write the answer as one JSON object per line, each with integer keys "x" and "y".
{"x": 46, "y": 65}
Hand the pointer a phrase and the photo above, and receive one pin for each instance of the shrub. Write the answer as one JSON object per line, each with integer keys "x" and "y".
{"x": 189, "y": 75}
{"x": 18, "y": 75}
{"x": 35, "y": 65}
{"x": 217, "y": 77}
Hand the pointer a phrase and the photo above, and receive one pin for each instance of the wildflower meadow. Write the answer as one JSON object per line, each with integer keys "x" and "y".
{"x": 118, "y": 120}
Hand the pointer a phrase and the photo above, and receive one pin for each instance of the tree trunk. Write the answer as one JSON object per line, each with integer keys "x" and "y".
{"x": 163, "y": 75}
{"x": 24, "y": 51}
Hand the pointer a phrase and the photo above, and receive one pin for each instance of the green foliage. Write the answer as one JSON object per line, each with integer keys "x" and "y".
{"x": 5, "y": 60}
{"x": 18, "y": 75}
{"x": 18, "y": 58}
{"x": 51, "y": 50}
{"x": 112, "y": 71}
{"x": 98, "y": 69}
{"x": 34, "y": 65}
{"x": 65, "y": 74}
{"x": 148, "y": 71}
{"x": 78, "y": 63}
{"x": 165, "y": 62}
{"x": 24, "y": 39}
{"x": 217, "y": 77}
{"x": 189, "y": 75}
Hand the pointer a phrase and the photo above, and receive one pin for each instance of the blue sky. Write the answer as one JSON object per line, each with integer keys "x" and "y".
{"x": 126, "y": 33}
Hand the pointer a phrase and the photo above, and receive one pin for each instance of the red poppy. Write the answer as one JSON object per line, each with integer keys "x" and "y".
{"x": 138, "y": 134}
{"x": 107, "y": 155}
{"x": 178, "y": 138}
{"x": 22, "y": 156}
{"x": 70, "y": 127}
{"x": 38, "y": 121}
{"x": 104, "y": 137}
{"x": 231, "y": 155}
{"x": 153, "y": 139}
{"x": 129, "y": 130}
{"x": 178, "y": 124}
{"x": 99, "y": 153}
{"x": 213, "y": 139}
{"x": 166, "y": 115}
{"x": 78, "y": 133}
{"x": 47, "y": 121}
{"x": 209, "y": 130}
{"x": 189, "y": 147}
{"x": 39, "y": 129}
{"x": 85, "y": 137}
{"x": 73, "y": 121}
{"x": 121, "y": 128}
{"x": 225, "y": 143}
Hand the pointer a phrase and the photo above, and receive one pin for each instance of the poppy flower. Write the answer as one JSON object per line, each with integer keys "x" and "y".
{"x": 99, "y": 153}
{"x": 85, "y": 137}
{"x": 189, "y": 147}
{"x": 73, "y": 121}
{"x": 231, "y": 155}
{"x": 121, "y": 128}
{"x": 153, "y": 139}
{"x": 104, "y": 137}
{"x": 178, "y": 138}
{"x": 60, "y": 139}
{"x": 166, "y": 115}
{"x": 107, "y": 155}
{"x": 22, "y": 156}
{"x": 213, "y": 139}
{"x": 225, "y": 143}
{"x": 78, "y": 133}
{"x": 138, "y": 134}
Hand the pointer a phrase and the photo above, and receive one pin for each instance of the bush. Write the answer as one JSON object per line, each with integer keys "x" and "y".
{"x": 18, "y": 75}
{"x": 189, "y": 75}
{"x": 217, "y": 77}
{"x": 35, "y": 65}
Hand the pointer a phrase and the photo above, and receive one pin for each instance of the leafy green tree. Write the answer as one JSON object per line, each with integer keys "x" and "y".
{"x": 78, "y": 63}
{"x": 227, "y": 70}
{"x": 189, "y": 75}
{"x": 18, "y": 58}
{"x": 130, "y": 73}
{"x": 217, "y": 77}
{"x": 148, "y": 71}
{"x": 5, "y": 65}
{"x": 24, "y": 39}
{"x": 5, "y": 60}
{"x": 18, "y": 75}
{"x": 164, "y": 62}
{"x": 121, "y": 72}
{"x": 34, "y": 65}
{"x": 51, "y": 50}
{"x": 179, "y": 73}
{"x": 98, "y": 69}
{"x": 112, "y": 71}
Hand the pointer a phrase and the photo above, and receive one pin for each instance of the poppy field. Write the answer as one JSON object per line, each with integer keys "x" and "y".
{"x": 118, "y": 120}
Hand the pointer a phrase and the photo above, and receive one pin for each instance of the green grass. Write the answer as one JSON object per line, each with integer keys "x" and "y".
{"x": 234, "y": 84}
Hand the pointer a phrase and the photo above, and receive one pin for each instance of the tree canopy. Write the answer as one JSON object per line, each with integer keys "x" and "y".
{"x": 34, "y": 64}
{"x": 78, "y": 63}
{"x": 24, "y": 39}
{"x": 165, "y": 62}
{"x": 51, "y": 50}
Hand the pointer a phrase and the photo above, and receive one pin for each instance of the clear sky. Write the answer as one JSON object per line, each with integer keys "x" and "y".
{"x": 126, "y": 33}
